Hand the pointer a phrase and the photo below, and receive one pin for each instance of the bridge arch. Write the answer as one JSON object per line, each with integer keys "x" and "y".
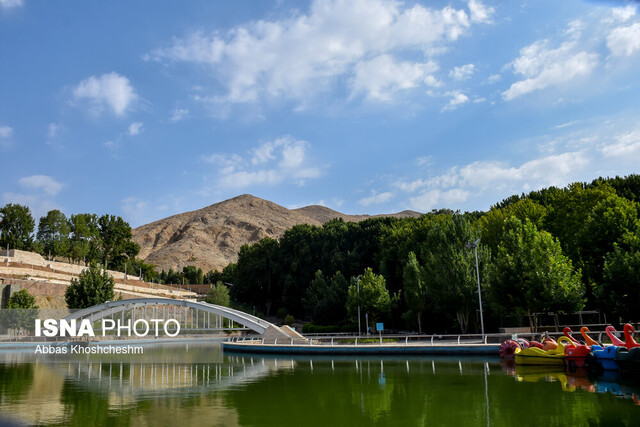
{"x": 109, "y": 308}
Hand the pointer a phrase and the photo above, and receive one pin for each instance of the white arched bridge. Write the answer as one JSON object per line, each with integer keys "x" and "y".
{"x": 190, "y": 315}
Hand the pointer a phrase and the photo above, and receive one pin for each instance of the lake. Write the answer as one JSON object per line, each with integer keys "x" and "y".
{"x": 196, "y": 384}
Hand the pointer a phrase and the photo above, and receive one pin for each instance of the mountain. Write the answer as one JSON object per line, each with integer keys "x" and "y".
{"x": 211, "y": 237}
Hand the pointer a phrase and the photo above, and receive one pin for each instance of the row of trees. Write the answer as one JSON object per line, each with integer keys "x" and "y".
{"x": 82, "y": 237}
{"x": 106, "y": 240}
{"x": 550, "y": 250}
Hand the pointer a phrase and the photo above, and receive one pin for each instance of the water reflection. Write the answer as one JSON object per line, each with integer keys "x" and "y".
{"x": 576, "y": 379}
{"x": 176, "y": 387}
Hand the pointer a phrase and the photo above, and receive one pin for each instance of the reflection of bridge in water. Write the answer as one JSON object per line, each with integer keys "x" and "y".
{"x": 134, "y": 378}
{"x": 127, "y": 378}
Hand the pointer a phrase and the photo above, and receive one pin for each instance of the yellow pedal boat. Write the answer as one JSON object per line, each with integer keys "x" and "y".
{"x": 537, "y": 356}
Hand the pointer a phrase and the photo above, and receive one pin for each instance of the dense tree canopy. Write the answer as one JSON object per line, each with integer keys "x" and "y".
{"x": 550, "y": 249}
{"x": 369, "y": 292}
{"x": 22, "y": 299}
{"x": 16, "y": 227}
{"x": 325, "y": 299}
{"x": 22, "y": 311}
{"x": 218, "y": 294}
{"x": 415, "y": 288}
{"x": 530, "y": 274}
{"x": 93, "y": 286}
{"x": 53, "y": 233}
{"x": 620, "y": 291}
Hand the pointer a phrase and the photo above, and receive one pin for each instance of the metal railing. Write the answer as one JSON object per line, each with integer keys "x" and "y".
{"x": 407, "y": 339}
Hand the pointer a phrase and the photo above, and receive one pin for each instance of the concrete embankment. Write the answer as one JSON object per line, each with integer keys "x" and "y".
{"x": 364, "y": 349}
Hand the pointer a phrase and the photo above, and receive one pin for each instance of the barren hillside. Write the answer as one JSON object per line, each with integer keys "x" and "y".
{"x": 212, "y": 236}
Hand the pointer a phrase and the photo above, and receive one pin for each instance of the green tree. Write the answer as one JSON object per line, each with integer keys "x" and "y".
{"x": 115, "y": 237}
{"x": 53, "y": 233}
{"x": 491, "y": 224}
{"x": 415, "y": 288}
{"x": 450, "y": 268}
{"x": 22, "y": 299}
{"x": 324, "y": 299}
{"x": 16, "y": 227}
{"x": 218, "y": 294}
{"x": 620, "y": 291}
{"x": 372, "y": 296}
{"x": 193, "y": 275}
{"x": 530, "y": 274}
{"x": 607, "y": 222}
{"x": 93, "y": 286}
{"x": 85, "y": 238}
{"x": 23, "y": 311}
{"x": 255, "y": 279}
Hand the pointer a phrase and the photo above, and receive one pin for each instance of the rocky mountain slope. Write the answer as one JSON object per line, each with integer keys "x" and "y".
{"x": 211, "y": 237}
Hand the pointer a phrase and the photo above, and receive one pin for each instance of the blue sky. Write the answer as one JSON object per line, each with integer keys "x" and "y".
{"x": 151, "y": 108}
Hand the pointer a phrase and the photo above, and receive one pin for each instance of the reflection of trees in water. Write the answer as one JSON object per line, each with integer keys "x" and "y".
{"x": 412, "y": 394}
{"x": 82, "y": 406}
{"x": 323, "y": 392}
{"x": 15, "y": 381}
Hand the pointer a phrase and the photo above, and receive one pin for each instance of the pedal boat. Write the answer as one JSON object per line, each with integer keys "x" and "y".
{"x": 628, "y": 357}
{"x": 536, "y": 356}
{"x": 575, "y": 354}
{"x": 603, "y": 357}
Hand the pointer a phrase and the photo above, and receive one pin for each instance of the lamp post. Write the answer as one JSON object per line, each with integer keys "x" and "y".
{"x": 474, "y": 246}
{"x": 358, "y": 287}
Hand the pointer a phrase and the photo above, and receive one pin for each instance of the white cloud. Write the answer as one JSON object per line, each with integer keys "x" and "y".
{"x": 52, "y": 130}
{"x": 6, "y": 131}
{"x": 336, "y": 41}
{"x": 8, "y": 4}
{"x": 134, "y": 128}
{"x": 541, "y": 67}
{"x": 494, "y": 78}
{"x": 135, "y": 210}
{"x": 38, "y": 204}
{"x": 621, "y": 14}
{"x": 334, "y": 203}
{"x": 550, "y": 170}
{"x": 271, "y": 163}
{"x": 376, "y": 198}
{"x": 625, "y": 146}
{"x": 107, "y": 91}
{"x": 602, "y": 146}
{"x": 425, "y": 161}
{"x": 263, "y": 153}
{"x": 293, "y": 154}
{"x": 435, "y": 199}
{"x": 381, "y": 77}
{"x": 480, "y": 12}
{"x": 178, "y": 114}
{"x": 624, "y": 41}
{"x": 41, "y": 182}
{"x": 460, "y": 183}
{"x": 566, "y": 124}
{"x": 463, "y": 72}
{"x": 457, "y": 98}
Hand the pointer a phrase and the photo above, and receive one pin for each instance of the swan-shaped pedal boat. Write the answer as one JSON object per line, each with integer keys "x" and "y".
{"x": 603, "y": 358}
{"x": 628, "y": 357}
{"x": 537, "y": 356}
{"x": 575, "y": 354}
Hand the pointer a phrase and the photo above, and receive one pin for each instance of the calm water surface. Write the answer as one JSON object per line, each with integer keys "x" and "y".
{"x": 199, "y": 385}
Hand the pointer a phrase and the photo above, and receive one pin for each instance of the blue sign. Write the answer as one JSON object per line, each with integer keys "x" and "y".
{"x": 380, "y": 326}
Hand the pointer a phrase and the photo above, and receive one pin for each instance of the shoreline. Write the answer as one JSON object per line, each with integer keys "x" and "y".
{"x": 149, "y": 341}
{"x": 364, "y": 349}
